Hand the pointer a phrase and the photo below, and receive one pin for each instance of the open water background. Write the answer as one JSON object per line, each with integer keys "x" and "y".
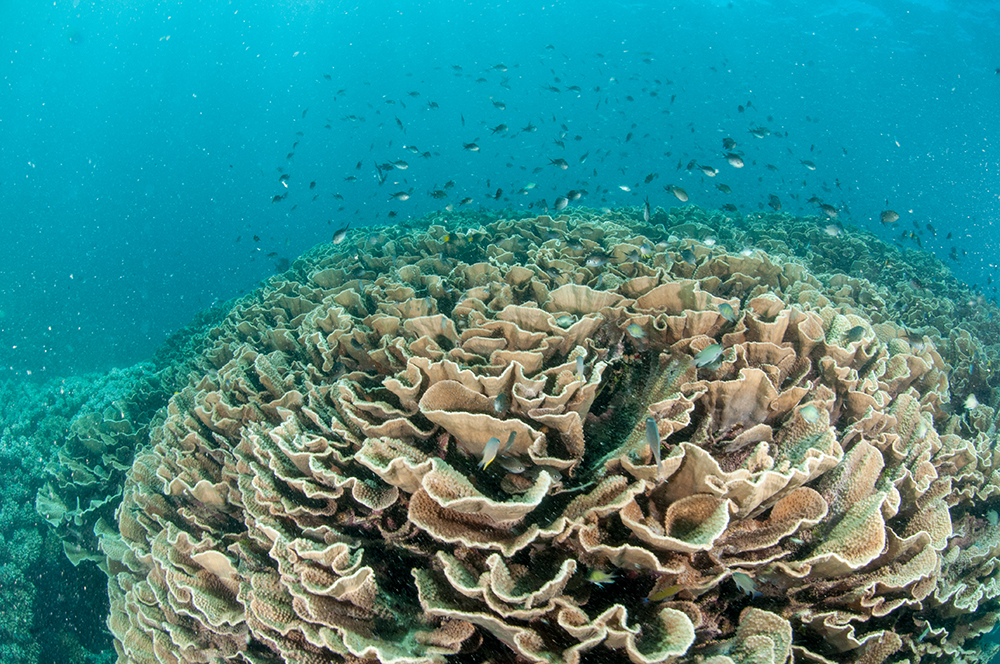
{"x": 141, "y": 142}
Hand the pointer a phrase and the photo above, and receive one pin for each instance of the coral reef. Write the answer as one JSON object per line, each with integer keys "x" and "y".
{"x": 433, "y": 442}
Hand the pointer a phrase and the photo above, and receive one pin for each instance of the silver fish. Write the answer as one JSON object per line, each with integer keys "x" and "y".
{"x": 726, "y": 311}
{"x": 710, "y": 355}
{"x": 501, "y": 403}
{"x": 490, "y": 452}
{"x": 653, "y": 440}
{"x": 810, "y": 414}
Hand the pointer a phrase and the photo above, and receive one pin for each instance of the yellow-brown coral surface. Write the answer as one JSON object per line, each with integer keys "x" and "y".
{"x": 319, "y": 497}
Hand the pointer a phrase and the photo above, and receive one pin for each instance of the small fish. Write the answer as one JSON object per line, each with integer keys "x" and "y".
{"x": 625, "y": 187}
{"x": 635, "y": 331}
{"x": 511, "y": 465}
{"x": 688, "y": 257}
{"x": 681, "y": 195}
{"x": 810, "y": 414}
{"x": 855, "y": 334}
{"x": 709, "y": 171}
{"x": 709, "y": 356}
{"x": 828, "y": 210}
{"x": 560, "y": 203}
{"x": 471, "y": 147}
{"x": 728, "y": 144}
{"x": 596, "y": 260}
{"x": 774, "y": 202}
{"x": 500, "y": 105}
{"x": 832, "y": 230}
{"x": 579, "y": 367}
{"x": 466, "y": 200}
{"x": 501, "y": 403}
{"x": 724, "y": 188}
{"x": 889, "y": 217}
{"x": 565, "y": 320}
{"x": 734, "y": 160}
{"x": 971, "y": 402}
{"x": 653, "y": 440}
{"x": 808, "y": 164}
{"x": 490, "y": 452}
{"x": 645, "y": 211}
{"x": 726, "y": 311}
{"x": 664, "y": 593}
{"x": 499, "y": 129}
{"x": 399, "y": 196}
{"x": 400, "y": 164}
{"x": 560, "y": 163}
{"x": 709, "y": 241}
{"x": 600, "y": 577}
{"x": 745, "y": 583}
{"x": 340, "y": 234}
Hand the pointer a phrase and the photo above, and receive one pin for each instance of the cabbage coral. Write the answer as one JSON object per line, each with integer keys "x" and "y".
{"x": 319, "y": 495}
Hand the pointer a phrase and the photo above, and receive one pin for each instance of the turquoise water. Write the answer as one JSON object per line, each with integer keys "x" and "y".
{"x": 158, "y": 160}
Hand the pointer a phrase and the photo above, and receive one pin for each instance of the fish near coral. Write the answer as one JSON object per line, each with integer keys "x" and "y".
{"x": 709, "y": 356}
{"x": 653, "y": 440}
{"x": 490, "y": 452}
{"x": 726, "y": 311}
{"x": 745, "y": 583}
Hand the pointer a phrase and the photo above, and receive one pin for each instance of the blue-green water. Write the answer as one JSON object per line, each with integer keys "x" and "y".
{"x": 158, "y": 160}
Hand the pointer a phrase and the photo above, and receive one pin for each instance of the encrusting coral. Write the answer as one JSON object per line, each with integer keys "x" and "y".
{"x": 329, "y": 491}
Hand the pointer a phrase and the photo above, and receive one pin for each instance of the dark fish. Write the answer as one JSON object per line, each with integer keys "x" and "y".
{"x": 774, "y": 202}
{"x": 499, "y": 129}
{"x": 596, "y": 260}
{"x": 465, "y": 201}
{"x": 855, "y": 334}
{"x": 399, "y": 123}
{"x": 471, "y": 147}
{"x": 724, "y": 188}
{"x": 681, "y": 195}
{"x": 499, "y": 104}
{"x": 561, "y": 163}
{"x": 399, "y": 196}
{"x": 312, "y": 185}
{"x": 728, "y": 144}
{"x": 889, "y": 217}
{"x": 560, "y": 203}
{"x": 688, "y": 257}
{"x": 529, "y": 128}
{"x": 808, "y": 164}
{"x": 828, "y": 210}
{"x": 340, "y": 234}
{"x": 734, "y": 160}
